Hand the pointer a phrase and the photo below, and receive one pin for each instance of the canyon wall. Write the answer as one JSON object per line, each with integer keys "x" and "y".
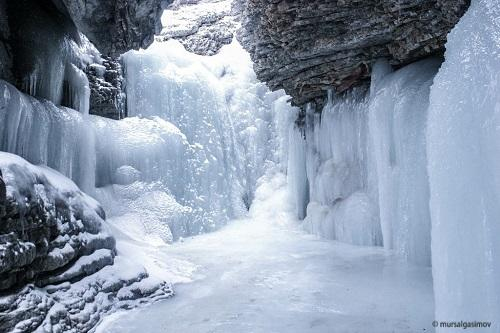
{"x": 306, "y": 47}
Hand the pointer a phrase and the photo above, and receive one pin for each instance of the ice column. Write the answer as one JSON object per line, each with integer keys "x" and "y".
{"x": 463, "y": 147}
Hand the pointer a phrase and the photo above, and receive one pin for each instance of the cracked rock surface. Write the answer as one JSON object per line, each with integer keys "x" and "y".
{"x": 308, "y": 46}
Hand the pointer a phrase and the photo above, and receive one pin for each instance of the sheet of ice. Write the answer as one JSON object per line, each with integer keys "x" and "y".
{"x": 58, "y": 76}
{"x": 42, "y": 133}
{"x": 365, "y": 164}
{"x": 464, "y": 158}
{"x": 263, "y": 274}
{"x": 397, "y": 121}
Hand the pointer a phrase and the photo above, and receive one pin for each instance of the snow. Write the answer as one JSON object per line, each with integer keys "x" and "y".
{"x": 264, "y": 274}
{"x": 183, "y": 19}
{"x": 56, "y": 185}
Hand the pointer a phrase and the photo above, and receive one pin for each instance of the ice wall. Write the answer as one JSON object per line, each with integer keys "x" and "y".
{"x": 58, "y": 75}
{"x": 365, "y": 163}
{"x": 42, "y": 133}
{"x": 416, "y": 156}
{"x": 202, "y": 131}
{"x": 464, "y": 158}
{"x": 228, "y": 117}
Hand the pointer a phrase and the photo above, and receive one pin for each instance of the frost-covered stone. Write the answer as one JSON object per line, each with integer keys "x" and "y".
{"x": 78, "y": 307}
{"x": 48, "y": 224}
{"x": 107, "y": 98}
{"x": 53, "y": 236}
{"x": 202, "y": 26}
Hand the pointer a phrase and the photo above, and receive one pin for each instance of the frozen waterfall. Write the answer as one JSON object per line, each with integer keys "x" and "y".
{"x": 364, "y": 163}
{"x": 201, "y": 132}
{"x": 414, "y": 158}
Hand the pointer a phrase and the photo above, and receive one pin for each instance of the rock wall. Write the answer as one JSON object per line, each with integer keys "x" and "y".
{"x": 308, "y": 46}
{"x": 116, "y": 26}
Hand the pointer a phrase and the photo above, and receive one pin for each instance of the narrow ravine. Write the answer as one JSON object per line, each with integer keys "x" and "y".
{"x": 263, "y": 274}
{"x": 243, "y": 166}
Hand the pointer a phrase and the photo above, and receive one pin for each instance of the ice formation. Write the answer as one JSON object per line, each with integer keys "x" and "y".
{"x": 225, "y": 114}
{"x": 411, "y": 157}
{"x": 58, "y": 270}
{"x": 463, "y": 161}
{"x": 59, "y": 77}
{"x": 200, "y": 133}
{"x": 365, "y": 179}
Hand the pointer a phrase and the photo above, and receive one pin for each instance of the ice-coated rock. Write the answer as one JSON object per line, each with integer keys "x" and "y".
{"x": 79, "y": 306}
{"x": 45, "y": 47}
{"x": 3, "y": 190}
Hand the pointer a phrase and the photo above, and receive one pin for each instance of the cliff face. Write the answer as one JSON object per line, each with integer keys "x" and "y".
{"x": 308, "y": 46}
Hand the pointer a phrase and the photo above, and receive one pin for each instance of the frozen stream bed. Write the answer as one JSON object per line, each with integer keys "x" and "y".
{"x": 264, "y": 274}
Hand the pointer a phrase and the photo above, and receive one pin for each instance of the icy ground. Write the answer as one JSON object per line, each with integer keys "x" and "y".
{"x": 264, "y": 274}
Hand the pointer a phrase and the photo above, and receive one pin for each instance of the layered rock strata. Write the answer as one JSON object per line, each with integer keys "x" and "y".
{"x": 306, "y": 47}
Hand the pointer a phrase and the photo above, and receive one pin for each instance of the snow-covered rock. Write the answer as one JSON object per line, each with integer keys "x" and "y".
{"x": 202, "y": 26}
{"x": 53, "y": 238}
{"x": 47, "y": 224}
